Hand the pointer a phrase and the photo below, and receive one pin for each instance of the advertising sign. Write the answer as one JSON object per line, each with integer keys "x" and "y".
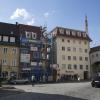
{"x": 34, "y": 49}
{"x": 25, "y": 58}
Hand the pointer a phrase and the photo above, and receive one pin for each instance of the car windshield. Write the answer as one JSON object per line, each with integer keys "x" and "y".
{"x": 97, "y": 78}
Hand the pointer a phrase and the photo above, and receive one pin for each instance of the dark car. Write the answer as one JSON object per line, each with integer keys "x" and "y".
{"x": 19, "y": 81}
{"x": 95, "y": 81}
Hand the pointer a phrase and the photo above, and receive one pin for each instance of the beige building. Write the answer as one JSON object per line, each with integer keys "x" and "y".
{"x": 95, "y": 60}
{"x": 9, "y": 50}
{"x": 71, "y": 53}
{"x": 9, "y": 60}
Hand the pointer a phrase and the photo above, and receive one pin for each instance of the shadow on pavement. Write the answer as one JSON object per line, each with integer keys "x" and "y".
{"x": 17, "y": 95}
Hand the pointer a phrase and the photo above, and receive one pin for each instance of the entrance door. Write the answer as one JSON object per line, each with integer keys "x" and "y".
{"x": 54, "y": 75}
{"x": 86, "y": 75}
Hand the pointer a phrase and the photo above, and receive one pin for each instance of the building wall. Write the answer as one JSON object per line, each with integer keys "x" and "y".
{"x": 9, "y": 59}
{"x": 62, "y": 55}
{"x": 95, "y": 62}
{"x": 95, "y": 57}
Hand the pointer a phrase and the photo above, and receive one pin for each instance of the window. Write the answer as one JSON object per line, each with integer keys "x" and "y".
{"x": 86, "y": 58}
{"x": 12, "y": 39}
{"x": 5, "y": 38}
{"x": 0, "y": 38}
{"x": 63, "y": 48}
{"x": 75, "y": 66}
{"x": 28, "y": 34}
{"x": 79, "y": 34}
{"x": 84, "y": 34}
{"x": 14, "y": 62}
{"x": 63, "y": 57}
{"x": 68, "y": 41}
{"x": 34, "y": 35}
{"x": 81, "y": 66}
{"x": 68, "y": 49}
{"x": 4, "y": 62}
{"x": 69, "y": 57}
{"x": 74, "y": 49}
{"x": 67, "y": 32}
{"x": 69, "y": 66}
{"x": 61, "y": 31}
{"x": 62, "y": 40}
{"x": 14, "y": 50}
{"x": 74, "y": 57}
{"x": 86, "y": 50}
{"x": 87, "y": 67}
{"x": 5, "y": 50}
{"x": 63, "y": 66}
{"x": 73, "y": 33}
{"x": 80, "y": 49}
{"x": 85, "y": 42}
{"x": 80, "y": 58}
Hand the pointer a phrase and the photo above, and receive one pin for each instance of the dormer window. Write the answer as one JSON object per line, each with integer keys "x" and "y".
{"x": 61, "y": 31}
{"x": 54, "y": 32}
{"x": 73, "y": 33}
{"x": 67, "y": 32}
{"x": 28, "y": 35}
{"x": 34, "y": 35}
{"x": 12, "y": 39}
{"x": 84, "y": 34}
{"x": 5, "y": 38}
{"x": 79, "y": 34}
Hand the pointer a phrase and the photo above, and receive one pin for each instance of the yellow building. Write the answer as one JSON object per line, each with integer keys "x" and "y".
{"x": 9, "y": 50}
{"x": 9, "y": 58}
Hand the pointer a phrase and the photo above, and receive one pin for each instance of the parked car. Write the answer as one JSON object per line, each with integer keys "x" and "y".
{"x": 95, "y": 81}
{"x": 19, "y": 81}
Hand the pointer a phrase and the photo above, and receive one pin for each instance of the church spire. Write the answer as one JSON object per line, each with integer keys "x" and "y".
{"x": 86, "y": 24}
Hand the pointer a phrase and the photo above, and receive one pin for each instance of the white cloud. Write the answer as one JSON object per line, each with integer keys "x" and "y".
{"x": 31, "y": 22}
{"x": 20, "y": 13}
{"x": 46, "y": 15}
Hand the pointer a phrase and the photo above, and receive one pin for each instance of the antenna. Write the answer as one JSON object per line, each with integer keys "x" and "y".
{"x": 86, "y": 24}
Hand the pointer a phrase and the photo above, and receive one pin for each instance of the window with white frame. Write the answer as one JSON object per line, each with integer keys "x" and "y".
{"x": 84, "y": 34}
{"x": 4, "y": 61}
{"x": 73, "y": 33}
{"x": 67, "y": 32}
{"x": 61, "y": 31}
{"x": 12, "y": 39}
{"x": 5, "y": 50}
{"x": 79, "y": 34}
{"x": 34, "y": 35}
{"x": 5, "y": 38}
{"x": 28, "y": 34}
{"x": 69, "y": 66}
{"x": 14, "y": 62}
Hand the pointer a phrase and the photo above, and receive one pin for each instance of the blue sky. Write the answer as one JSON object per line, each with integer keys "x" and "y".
{"x": 65, "y": 13}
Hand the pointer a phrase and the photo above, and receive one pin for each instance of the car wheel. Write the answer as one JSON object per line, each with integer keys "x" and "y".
{"x": 93, "y": 85}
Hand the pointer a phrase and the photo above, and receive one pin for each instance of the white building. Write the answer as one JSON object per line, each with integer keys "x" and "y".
{"x": 71, "y": 53}
{"x": 95, "y": 60}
